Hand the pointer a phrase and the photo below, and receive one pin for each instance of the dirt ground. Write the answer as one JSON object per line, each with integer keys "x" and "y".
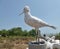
{"x": 14, "y": 43}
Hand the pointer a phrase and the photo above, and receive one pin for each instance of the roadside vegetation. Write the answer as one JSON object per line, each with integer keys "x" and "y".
{"x": 17, "y": 31}
{"x": 17, "y": 38}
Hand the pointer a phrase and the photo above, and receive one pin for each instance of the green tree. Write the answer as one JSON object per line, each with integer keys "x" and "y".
{"x": 16, "y": 31}
{"x": 32, "y": 32}
{"x": 57, "y": 36}
{"x": 25, "y": 33}
{"x": 4, "y": 32}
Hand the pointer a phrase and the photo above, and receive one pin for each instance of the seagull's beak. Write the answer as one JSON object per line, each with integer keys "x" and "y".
{"x": 21, "y": 13}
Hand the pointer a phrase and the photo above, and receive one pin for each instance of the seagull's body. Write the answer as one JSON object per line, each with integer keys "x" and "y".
{"x": 34, "y": 21}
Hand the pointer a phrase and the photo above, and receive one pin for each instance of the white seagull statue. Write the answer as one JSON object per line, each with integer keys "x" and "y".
{"x": 34, "y": 21}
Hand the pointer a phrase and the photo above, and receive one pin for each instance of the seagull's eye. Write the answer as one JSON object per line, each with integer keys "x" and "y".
{"x": 27, "y": 10}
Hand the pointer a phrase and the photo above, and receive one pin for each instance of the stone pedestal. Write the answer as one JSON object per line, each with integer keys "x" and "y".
{"x": 56, "y": 46}
{"x": 37, "y": 45}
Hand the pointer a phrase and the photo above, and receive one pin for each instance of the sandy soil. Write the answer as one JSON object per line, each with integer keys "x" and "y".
{"x": 14, "y": 43}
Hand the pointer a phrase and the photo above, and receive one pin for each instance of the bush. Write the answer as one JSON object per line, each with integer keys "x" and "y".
{"x": 17, "y": 31}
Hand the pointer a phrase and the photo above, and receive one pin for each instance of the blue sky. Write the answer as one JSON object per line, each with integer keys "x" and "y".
{"x": 47, "y": 10}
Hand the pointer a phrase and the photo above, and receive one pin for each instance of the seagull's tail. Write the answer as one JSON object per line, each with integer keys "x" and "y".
{"x": 53, "y": 27}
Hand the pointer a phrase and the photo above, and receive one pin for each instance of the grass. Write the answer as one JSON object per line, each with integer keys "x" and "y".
{"x": 14, "y": 42}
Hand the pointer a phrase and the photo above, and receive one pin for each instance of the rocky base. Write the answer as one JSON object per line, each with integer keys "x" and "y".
{"x": 37, "y": 45}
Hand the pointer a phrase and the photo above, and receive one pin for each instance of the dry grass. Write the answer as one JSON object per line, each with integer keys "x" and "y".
{"x": 14, "y": 42}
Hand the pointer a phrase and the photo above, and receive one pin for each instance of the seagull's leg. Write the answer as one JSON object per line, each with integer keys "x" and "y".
{"x": 39, "y": 35}
{"x": 36, "y": 34}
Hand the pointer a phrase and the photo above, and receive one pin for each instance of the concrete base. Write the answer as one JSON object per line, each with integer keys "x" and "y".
{"x": 36, "y": 45}
{"x": 57, "y": 46}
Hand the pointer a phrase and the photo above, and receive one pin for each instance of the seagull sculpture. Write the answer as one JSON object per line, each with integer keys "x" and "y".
{"x": 34, "y": 21}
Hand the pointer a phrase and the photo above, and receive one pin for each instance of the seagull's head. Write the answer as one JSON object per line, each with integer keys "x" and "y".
{"x": 26, "y": 9}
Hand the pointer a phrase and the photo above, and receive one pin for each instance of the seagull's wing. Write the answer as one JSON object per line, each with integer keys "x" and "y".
{"x": 37, "y": 20}
{"x": 52, "y": 27}
{"x": 41, "y": 22}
